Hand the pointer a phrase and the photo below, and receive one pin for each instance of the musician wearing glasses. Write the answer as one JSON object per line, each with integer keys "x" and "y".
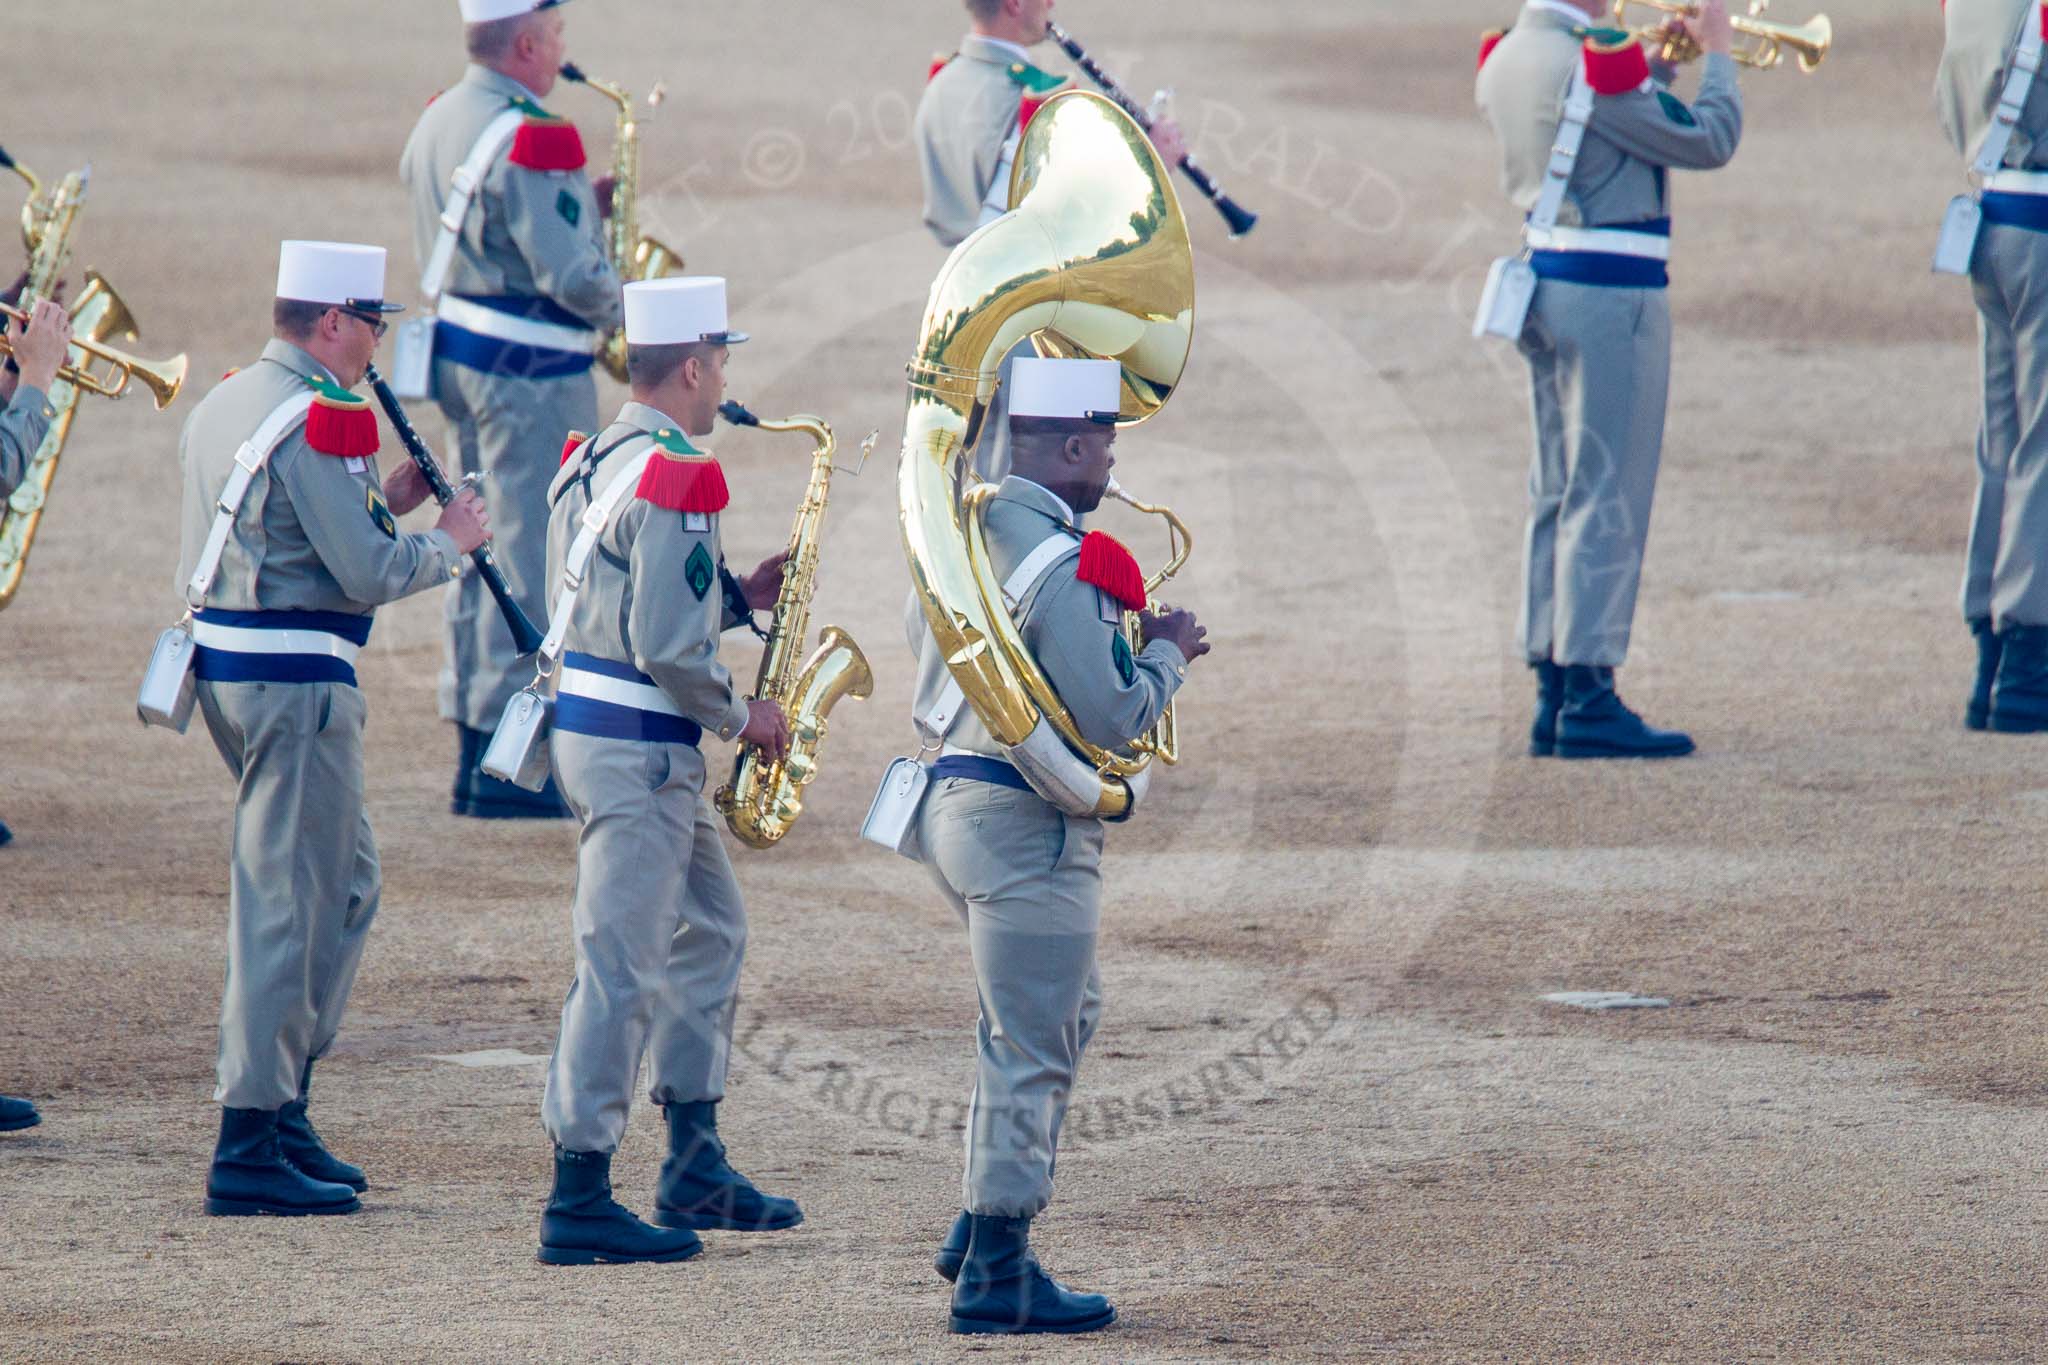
{"x": 2005, "y": 581}
{"x": 1024, "y": 878}
{"x": 293, "y": 570}
{"x": 512, "y": 253}
{"x": 660, "y": 930}
{"x": 1597, "y": 337}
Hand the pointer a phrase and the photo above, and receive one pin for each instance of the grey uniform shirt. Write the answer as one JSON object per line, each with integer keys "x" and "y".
{"x": 639, "y": 603}
{"x": 313, "y": 534}
{"x": 968, "y": 112}
{"x": 23, "y": 425}
{"x": 531, "y": 233}
{"x": 1630, "y": 141}
{"x": 1073, "y": 629}
{"x": 1982, "y": 36}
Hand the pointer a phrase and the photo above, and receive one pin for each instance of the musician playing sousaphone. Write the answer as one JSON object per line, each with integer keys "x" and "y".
{"x": 511, "y": 245}
{"x": 1561, "y": 92}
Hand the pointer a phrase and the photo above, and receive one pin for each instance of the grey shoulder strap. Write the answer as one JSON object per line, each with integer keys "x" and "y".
{"x": 1564, "y": 153}
{"x": 2012, "y": 100}
{"x": 249, "y": 461}
{"x": 591, "y": 529}
{"x": 938, "y": 721}
{"x": 462, "y": 188}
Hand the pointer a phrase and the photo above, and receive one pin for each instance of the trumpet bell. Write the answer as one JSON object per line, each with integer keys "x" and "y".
{"x": 1811, "y": 41}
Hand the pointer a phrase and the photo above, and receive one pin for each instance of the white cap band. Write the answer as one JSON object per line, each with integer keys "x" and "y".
{"x": 1076, "y": 390}
{"x": 330, "y": 272}
{"x": 484, "y": 11}
{"x": 677, "y": 312}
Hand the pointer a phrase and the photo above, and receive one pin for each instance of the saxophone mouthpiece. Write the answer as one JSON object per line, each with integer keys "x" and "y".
{"x": 574, "y": 73}
{"x": 737, "y": 414}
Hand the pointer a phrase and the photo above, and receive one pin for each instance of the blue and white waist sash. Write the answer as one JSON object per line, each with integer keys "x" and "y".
{"x": 1633, "y": 256}
{"x": 612, "y": 700}
{"x": 513, "y": 334}
{"x": 2017, "y": 199}
{"x": 278, "y": 646}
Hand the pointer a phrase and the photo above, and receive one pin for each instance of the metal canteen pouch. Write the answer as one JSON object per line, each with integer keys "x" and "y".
{"x": 518, "y": 752}
{"x": 412, "y": 360}
{"x": 1504, "y": 305}
{"x": 892, "y": 816}
{"x": 167, "y": 689}
{"x": 1959, "y": 229}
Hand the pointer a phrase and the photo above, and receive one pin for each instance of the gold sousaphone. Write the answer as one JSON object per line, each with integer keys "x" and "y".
{"x": 1092, "y": 261}
{"x": 1769, "y": 42}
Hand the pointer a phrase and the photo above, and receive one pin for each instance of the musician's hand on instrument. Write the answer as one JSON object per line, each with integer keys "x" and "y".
{"x": 1178, "y": 628}
{"x": 764, "y": 585}
{"x": 1171, "y": 142}
{"x": 467, "y": 520}
{"x": 602, "y": 187}
{"x": 1711, "y": 28}
{"x": 767, "y": 728}
{"x": 405, "y": 488}
{"x": 40, "y": 348}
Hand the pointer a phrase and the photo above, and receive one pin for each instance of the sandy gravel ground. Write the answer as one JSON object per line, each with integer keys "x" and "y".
{"x": 1329, "y": 1116}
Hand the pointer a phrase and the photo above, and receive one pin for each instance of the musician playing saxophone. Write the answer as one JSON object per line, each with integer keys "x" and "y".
{"x": 659, "y": 926}
{"x": 1024, "y": 878}
{"x": 523, "y": 292}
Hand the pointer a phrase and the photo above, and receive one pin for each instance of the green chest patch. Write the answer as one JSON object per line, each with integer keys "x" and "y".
{"x": 1126, "y": 666}
{"x": 1675, "y": 110}
{"x": 699, "y": 572}
{"x": 373, "y": 502}
{"x": 570, "y": 207}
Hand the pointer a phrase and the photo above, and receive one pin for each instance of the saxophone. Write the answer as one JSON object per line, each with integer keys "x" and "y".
{"x": 635, "y": 257}
{"x": 765, "y": 797}
{"x": 98, "y": 317}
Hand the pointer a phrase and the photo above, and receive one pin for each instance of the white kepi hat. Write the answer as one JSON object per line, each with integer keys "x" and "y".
{"x": 484, "y": 11}
{"x": 336, "y": 273}
{"x": 679, "y": 312}
{"x": 1076, "y": 390}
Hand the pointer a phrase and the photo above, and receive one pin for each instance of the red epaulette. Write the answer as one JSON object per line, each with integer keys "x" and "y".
{"x": 548, "y": 144}
{"x": 1615, "y": 62}
{"x": 232, "y": 371}
{"x": 1106, "y": 564}
{"x": 1488, "y": 42}
{"x": 681, "y": 478}
{"x": 436, "y": 95}
{"x": 572, "y": 445}
{"x": 1029, "y": 104}
{"x": 340, "y": 423}
{"x": 938, "y": 64}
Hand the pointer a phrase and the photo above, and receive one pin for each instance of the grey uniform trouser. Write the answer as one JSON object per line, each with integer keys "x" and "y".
{"x": 1600, "y": 370}
{"x": 305, "y": 879}
{"x": 512, "y": 430}
{"x": 659, "y": 932}
{"x": 2007, "y": 574}
{"x": 1027, "y": 882}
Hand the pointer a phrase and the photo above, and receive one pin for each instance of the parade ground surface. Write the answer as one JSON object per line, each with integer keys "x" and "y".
{"x": 1330, "y": 1114}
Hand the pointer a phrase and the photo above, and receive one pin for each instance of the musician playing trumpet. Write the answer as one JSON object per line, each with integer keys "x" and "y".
{"x": 38, "y": 352}
{"x": 1598, "y": 334}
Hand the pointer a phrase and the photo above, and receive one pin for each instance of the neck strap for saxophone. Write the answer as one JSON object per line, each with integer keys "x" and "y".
{"x": 462, "y": 192}
{"x": 249, "y": 461}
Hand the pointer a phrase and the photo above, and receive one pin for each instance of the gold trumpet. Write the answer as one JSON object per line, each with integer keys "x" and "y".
{"x": 163, "y": 378}
{"x": 1809, "y": 42}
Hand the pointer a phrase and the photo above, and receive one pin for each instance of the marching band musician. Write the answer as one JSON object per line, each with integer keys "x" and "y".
{"x": 2005, "y": 582}
{"x": 525, "y": 293}
{"x": 313, "y": 551}
{"x": 39, "y": 350}
{"x": 1025, "y": 878}
{"x": 659, "y": 926}
{"x": 968, "y": 125}
{"x": 1598, "y": 341}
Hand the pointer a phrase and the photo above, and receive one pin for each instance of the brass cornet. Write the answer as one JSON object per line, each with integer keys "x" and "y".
{"x": 1769, "y": 42}
{"x": 163, "y": 378}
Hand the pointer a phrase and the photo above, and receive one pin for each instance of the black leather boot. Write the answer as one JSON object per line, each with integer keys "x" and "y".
{"x": 480, "y": 796}
{"x": 6, "y": 836}
{"x": 700, "y": 1190}
{"x": 16, "y": 1115}
{"x": 251, "y": 1176}
{"x": 2019, "y": 697}
{"x": 953, "y": 1250}
{"x": 1002, "y": 1290}
{"x": 303, "y": 1147}
{"x": 1549, "y": 698}
{"x": 1990, "y": 645}
{"x": 584, "y": 1225}
{"x": 1594, "y": 722}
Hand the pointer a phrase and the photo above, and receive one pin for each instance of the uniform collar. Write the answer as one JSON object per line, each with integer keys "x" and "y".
{"x": 1036, "y": 496}
{"x": 296, "y": 360}
{"x": 498, "y": 83}
{"x": 1560, "y": 11}
{"x": 1001, "y": 51}
{"x": 648, "y": 419}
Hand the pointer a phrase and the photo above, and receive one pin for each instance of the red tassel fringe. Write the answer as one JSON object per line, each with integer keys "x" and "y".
{"x": 684, "y": 485}
{"x": 572, "y": 445}
{"x": 1487, "y": 44}
{"x": 1028, "y": 107}
{"x": 548, "y": 147}
{"x": 1106, "y": 564}
{"x": 1616, "y": 70}
{"x": 938, "y": 64}
{"x": 347, "y": 432}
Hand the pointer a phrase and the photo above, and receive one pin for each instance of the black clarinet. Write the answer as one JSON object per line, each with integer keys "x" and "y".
{"x": 1240, "y": 218}
{"x": 526, "y": 637}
